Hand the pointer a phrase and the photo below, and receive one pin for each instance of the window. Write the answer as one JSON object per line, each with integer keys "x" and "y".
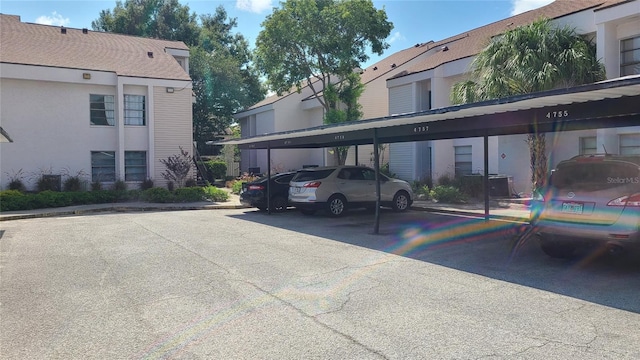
{"x": 102, "y": 111}
{"x": 103, "y": 166}
{"x": 630, "y": 56}
{"x": 134, "y": 110}
{"x": 588, "y": 145}
{"x": 135, "y": 165}
{"x": 630, "y": 144}
{"x": 463, "y": 160}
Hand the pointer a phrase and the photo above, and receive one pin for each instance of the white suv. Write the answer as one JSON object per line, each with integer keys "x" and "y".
{"x": 335, "y": 189}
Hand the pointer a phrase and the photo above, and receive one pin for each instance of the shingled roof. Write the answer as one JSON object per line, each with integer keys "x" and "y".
{"x": 44, "y": 45}
{"x": 472, "y": 42}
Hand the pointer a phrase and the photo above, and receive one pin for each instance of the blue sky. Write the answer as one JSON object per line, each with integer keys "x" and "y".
{"x": 415, "y": 21}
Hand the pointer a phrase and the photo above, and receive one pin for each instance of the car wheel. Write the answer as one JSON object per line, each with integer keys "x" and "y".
{"x": 336, "y": 205}
{"x": 279, "y": 204}
{"x": 558, "y": 251}
{"x": 400, "y": 201}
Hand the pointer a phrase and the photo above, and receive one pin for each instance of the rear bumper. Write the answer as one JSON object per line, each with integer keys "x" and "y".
{"x": 582, "y": 235}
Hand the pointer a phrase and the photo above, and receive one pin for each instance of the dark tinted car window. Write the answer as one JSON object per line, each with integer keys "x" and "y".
{"x": 594, "y": 175}
{"x": 284, "y": 179}
{"x": 312, "y": 175}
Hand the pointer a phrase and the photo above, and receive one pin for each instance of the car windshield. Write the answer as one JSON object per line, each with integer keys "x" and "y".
{"x": 312, "y": 175}
{"x": 594, "y": 175}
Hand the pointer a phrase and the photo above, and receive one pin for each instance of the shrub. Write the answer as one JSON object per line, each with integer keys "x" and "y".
{"x": 147, "y": 184}
{"x": 72, "y": 183}
{"x": 189, "y": 194}
{"x": 17, "y": 184}
{"x": 11, "y": 200}
{"x": 471, "y": 185}
{"x": 190, "y": 183}
{"x": 236, "y": 187}
{"x": 177, "y": 167}
{"x": 120, "y": 185}
{"x": 214, "y": 194}
{"x": 48, "y": 198}
{"x": 446, "y": 180}
{"x": 157, "y": 195}
{"x": 216, "y": 169}
{"x": 96, "y": 186}
{"x": 448, "y": 194}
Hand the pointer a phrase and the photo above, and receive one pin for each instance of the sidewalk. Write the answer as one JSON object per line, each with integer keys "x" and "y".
{"x": 509, "y": 210}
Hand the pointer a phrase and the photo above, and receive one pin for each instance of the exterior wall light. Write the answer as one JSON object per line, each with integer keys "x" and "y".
{"x": 86, "y": 76}
{"x": 170, "y": 90}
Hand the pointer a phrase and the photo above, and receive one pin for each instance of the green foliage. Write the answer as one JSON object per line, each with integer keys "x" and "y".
{"x": 178, "y": 167}
{"x": 147, "y": 184}
{"x": 16, "y": 180}
{"x": 220, "y": 63}
{"x": 11, "y": 200}
{"x": 471, "y": 185}
{"x": 237, "y": 186}
{"x": 305, "y": 39}
{"x": 384, "y": 169}
{"x": 96, "y": 186}
{"x": 119, "y": 185}
{"x": 73, "y": 183}
{"x": 447, "y": 194}
{"x": 421, "y": 189}
{"x": 190, "y": 183}
{"x": 157, "y": 195}
{"x": 527, "y": 59}
{"x": 217, "y": 169}
{"x": 446, "y": 180}
{"x": 189, "y": 194}
{"x": 214, "y": 194}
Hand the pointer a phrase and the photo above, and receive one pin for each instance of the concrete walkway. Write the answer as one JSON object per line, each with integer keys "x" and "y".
{"x": 507, "y": 209}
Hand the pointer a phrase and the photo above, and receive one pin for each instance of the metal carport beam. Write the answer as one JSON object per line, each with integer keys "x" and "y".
{"x": 607, "y": 104}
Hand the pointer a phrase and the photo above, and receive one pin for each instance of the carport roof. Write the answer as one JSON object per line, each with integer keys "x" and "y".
{"x": 612, "y": 103}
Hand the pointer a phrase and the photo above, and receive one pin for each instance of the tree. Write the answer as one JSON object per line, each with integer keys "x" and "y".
{"x": 527, "y": 59}
{"x": 178, "y": 168}
{"x": 319, "y": 43}
{"x": 220, "y": 65}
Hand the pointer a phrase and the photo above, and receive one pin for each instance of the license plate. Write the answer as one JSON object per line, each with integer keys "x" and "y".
{"x": 572, "y": 208}
{"x": 296, "y": 190}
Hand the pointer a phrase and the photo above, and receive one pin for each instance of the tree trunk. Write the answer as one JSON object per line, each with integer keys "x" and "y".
{"x": 538, "y": 154}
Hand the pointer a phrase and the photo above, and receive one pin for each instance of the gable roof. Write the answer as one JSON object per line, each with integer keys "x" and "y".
{"x": 45, "y": 45}
{"x": 472, "y": 42}
{"x": 373, "y": 72}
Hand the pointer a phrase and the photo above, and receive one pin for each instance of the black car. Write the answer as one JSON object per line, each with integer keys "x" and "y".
{"x": 254, "y": 193}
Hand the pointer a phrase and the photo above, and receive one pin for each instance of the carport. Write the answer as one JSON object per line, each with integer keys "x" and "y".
{"x": 607, "y": 104}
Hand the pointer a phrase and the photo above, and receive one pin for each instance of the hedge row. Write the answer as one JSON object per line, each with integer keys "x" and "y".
{"x": 12, "y": 200}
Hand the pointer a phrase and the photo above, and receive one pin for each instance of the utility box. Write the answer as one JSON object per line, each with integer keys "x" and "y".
{"x": 501, "y": 186}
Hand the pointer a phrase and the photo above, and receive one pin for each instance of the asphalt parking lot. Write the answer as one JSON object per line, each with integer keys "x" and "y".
{"x": 241, "y": 284}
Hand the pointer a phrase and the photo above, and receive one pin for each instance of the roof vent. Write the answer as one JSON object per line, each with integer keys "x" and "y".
{"x": 375, "y": 68}
{"x": 417, "y": 45}
{"x": 444, "y": 48}
{"x": 150, "y": 54}
{"x": 85, "y": 31}
{"x": 393, "y": 65}
{"x": 63, "y": 30}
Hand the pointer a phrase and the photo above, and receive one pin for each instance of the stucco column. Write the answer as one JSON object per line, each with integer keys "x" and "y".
{"x": 608, "y": 49}
{"x": 120, "y": 144}
{"x": 151, "y": 155}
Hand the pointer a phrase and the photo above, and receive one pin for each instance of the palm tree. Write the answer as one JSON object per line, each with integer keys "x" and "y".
{"x": 527, "y": 59}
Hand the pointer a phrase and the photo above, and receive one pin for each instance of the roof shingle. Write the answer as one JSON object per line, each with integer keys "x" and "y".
{"x": 44, "y": 45}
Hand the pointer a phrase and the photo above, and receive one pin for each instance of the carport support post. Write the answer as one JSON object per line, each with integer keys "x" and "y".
{"x": 356, "y": 161}
{"x": 376, "y": 166}
{"x": 269, "y": 179}
{"x": 486, "y": 177}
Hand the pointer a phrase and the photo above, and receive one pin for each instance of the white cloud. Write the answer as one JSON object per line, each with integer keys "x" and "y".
{"x": 520, "y": 6}
{"x": 254, "y": 6}
{"x": 54, "y": 19}
{"x": 396, "y": 36}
